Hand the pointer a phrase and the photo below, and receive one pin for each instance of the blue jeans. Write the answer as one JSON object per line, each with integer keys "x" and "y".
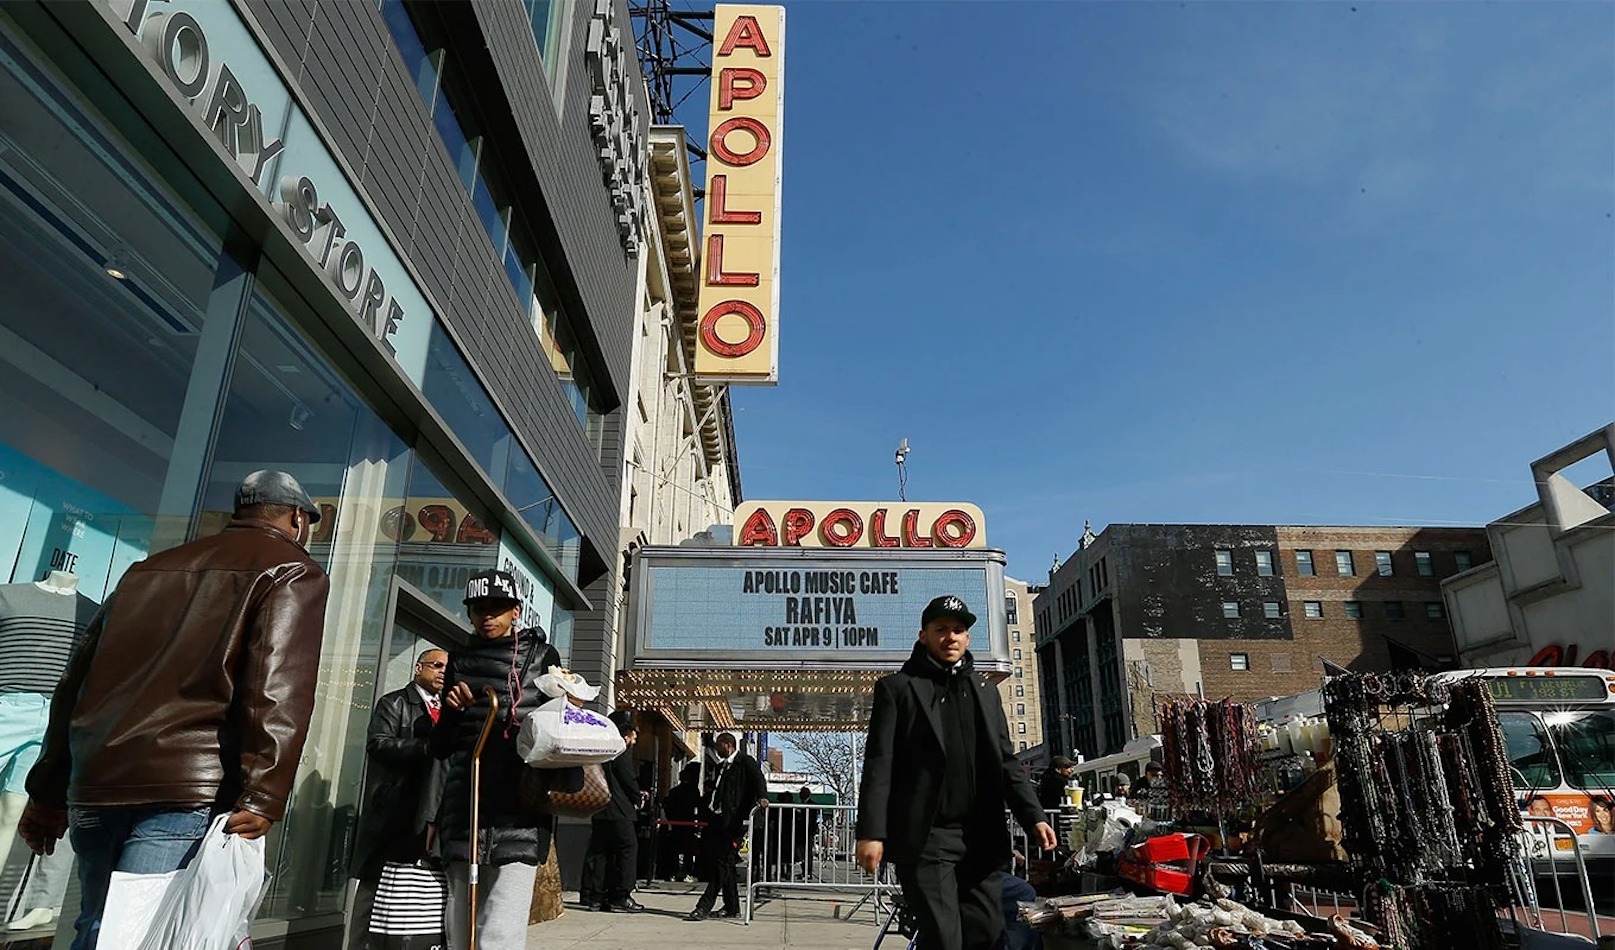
{"x": 134, "y": 840}
{"x": 1018, "y": 934}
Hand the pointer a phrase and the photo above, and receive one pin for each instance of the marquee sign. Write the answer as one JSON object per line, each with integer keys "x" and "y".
{"x": 737, "y": 340}
{"x": 859, "y": 524}
{"x": 771, "y": 608}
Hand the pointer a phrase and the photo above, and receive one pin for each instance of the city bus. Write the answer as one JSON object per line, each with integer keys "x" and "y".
{"x": 1559, "y": 727}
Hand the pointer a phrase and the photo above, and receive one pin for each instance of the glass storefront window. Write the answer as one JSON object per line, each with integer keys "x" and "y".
{"x": 287, "y": 409}
{"x": 116, "y": 327}
{"x": 456, "y": 393}
{"x": 444, "y": 537}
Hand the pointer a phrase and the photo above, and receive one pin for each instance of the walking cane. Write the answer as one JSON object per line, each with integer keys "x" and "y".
{"x": 476, "y": 801}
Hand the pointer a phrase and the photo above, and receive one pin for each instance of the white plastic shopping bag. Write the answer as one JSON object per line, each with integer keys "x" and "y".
{"x": 559, "y": 734}
{"x": 207, "y": 905}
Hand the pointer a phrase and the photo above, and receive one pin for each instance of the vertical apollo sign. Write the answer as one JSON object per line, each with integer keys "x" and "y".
{"x": 738, "y": 339}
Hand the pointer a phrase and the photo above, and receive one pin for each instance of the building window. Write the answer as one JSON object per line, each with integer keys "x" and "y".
{"x": 1313, "y": 609}
{"x": 1264, "y": 563}
{"x": 1354, "y": 610}
{"x": 1019, "y": 691}
{"x": 1272, "y": 610}
{"x": 1020, "y": 728}
{"x": 1239, "y": 661}
{"x": 1017, "y": 672}
{"x": 1280, "y": 662}
{"x": 1020, "y": 709}
{"x": 1017, "y": 653}
{"x": 1230, "y": 608}
{"x": 1343, "y": 564}
{"x": 1393, "y": 610}
{"x": 1023, "y": 747}
{"x": 1017, "y": 636}
{"x": 1463, "y": 560}
{"x": 1382, "y": 563}
{"x": 1427, "y": 567}
{"x": 1303, "y": 563}
{"x": 1225, "y": 564}
{"x": 1012, "y": 611}
{"x": 1435, "y": 610}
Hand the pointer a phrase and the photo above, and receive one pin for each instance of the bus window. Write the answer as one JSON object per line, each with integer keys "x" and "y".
{"x": 1586, "y": 742}
{"x": 1528, "y": 749}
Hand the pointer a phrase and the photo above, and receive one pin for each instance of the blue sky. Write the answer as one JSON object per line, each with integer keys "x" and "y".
{"x": 1205, "y": 262}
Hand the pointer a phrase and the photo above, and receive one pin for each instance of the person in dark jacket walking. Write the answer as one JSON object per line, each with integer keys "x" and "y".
{"x": 938, "y": 770}
{"x": 189, "y": 696}
{"x": 738, "y": 788}
{"x": 609, "y": 864}
{"x": 513, "y": 842}
{"x": 393, "y": 820}
{"x": 682, "y": 807}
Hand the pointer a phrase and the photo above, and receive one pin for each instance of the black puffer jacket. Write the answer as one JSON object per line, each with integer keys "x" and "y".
{"x": 509, "y": 835}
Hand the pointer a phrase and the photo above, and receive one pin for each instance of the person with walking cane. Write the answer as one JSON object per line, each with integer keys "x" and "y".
{"x": 511, "y": 842}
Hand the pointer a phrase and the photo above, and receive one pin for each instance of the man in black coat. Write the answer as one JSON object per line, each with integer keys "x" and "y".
{"x": 392, "y": 821}
{"x": 938, "y": 770}
{"x": 512, "y": 842}
{"x": 1051, "y": 787}
{"x": 738, "y": 788}
{"x": 609, "y": 864}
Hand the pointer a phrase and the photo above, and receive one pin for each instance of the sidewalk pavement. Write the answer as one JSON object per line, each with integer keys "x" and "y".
{"x": 800, "y": 923}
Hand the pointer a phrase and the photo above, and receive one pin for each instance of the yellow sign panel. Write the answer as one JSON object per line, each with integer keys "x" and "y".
{"x": 859, "y": 524}
{"x": 738, "y": 337}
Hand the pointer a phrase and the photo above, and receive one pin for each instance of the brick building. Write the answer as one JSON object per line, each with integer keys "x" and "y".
{"x": 1020, "y": 692}
{"x": 1245, "y": 611}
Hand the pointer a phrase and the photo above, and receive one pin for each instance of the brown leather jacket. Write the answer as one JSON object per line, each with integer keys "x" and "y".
{"x": 195, "y": 683}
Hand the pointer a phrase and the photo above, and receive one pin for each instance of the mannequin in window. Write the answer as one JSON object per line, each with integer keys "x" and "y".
{"x": 40, "y": 623}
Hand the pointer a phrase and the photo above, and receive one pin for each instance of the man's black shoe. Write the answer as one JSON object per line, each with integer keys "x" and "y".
{"x": 698, "y": 914}
{"x": 603, "y": 907}
{"x": 731, "y": 914}
{"x": 626, "y": 906}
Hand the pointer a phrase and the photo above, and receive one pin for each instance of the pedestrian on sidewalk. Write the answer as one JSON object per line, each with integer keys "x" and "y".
{"x": 738, "y": 788}
{"x": 513, "y": 842}
{"x": 682, "y": 807}
{"x": 938, "y": 771}
{"x": 399, "y": 799}
{"x": 611, "y": 860}
{"x": 188, "y": 697}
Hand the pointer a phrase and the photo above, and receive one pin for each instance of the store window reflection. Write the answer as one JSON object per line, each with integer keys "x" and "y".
{"x": 443, "y": 536}
{"x": 287, "y": 409}
{"x": 118, "y": 311}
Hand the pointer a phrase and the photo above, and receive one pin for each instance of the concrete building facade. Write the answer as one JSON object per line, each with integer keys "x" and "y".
{"x": 1243, "y": 611}
{"x": 1549, "y": 596}
{"x": 1022, "y": 698}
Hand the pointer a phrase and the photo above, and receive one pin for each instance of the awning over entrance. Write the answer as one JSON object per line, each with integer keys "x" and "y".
{"x": 791, "y": 640}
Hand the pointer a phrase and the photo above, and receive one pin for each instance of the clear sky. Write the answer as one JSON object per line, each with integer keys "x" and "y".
{"x": 1203, "y": 262}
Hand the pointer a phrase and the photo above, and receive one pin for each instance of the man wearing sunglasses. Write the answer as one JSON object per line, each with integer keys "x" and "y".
{"x": 393, "y": 823}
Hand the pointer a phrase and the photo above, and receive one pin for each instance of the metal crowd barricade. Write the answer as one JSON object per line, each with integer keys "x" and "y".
{"x": 811, "y": 850}
{"x": 1543, "y": 858}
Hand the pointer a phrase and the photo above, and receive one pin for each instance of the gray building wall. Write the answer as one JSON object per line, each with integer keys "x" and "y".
{"x": 341, "y": 55}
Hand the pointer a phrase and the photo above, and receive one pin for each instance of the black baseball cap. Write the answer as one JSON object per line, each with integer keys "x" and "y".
{"x": 948, "y": 605}
{"x": 269, "y": 487}
{"x": 491, "y": 585}
{"x": 1063, "y": 762}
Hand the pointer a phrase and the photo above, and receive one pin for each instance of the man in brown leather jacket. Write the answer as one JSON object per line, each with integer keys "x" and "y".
{"x": 189, "y": 697}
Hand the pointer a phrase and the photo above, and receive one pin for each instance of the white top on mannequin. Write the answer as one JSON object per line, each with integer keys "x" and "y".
{"x": 59, "y": 582}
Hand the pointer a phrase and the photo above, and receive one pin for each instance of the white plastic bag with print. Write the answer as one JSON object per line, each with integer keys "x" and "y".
{"x": 207, "y": 905}
{"x": 559, "y": 735}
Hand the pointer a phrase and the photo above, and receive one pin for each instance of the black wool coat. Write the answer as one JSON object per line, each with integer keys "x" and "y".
{"x": 905, "y": 759}
{"x": 508, "y": 834}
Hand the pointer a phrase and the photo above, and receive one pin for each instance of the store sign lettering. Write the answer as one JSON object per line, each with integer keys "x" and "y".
{"x": 179, "y": 46}
{"x": 1555, "y": 655}
{"x": 614, "y": 121}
